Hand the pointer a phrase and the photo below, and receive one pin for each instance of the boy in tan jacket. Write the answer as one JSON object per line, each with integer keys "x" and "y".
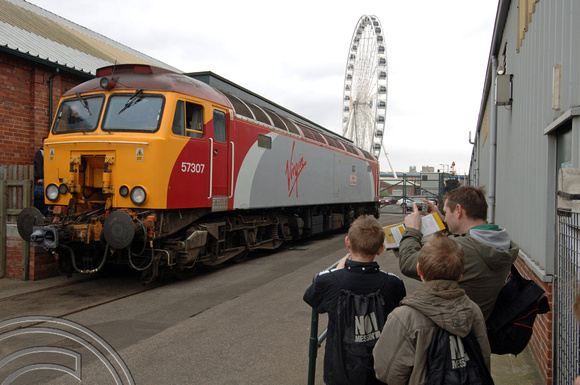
{"x": 401, "y": 353}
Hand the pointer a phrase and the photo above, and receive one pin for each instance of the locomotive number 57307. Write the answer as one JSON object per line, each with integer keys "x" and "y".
{"x": 195, "y": 168}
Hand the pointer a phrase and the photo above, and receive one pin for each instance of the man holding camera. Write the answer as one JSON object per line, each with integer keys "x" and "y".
{"x": 488, "y": 248}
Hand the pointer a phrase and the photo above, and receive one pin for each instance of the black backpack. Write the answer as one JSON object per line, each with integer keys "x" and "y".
{"x": 360, "y": 320}
{"x": 454, "y": 360}
{"x": 510, "y": 324}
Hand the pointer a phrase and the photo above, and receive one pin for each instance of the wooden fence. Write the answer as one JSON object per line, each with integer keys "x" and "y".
{"x": 16, "y": 193}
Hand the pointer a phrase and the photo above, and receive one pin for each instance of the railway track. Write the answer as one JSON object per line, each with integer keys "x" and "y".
{"x": 70, "y": 298}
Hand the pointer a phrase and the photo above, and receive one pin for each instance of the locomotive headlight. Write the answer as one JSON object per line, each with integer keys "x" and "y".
{"x": 107, "y": 83}
{"x": 62, "y": 189}
{"x": 123, "y": 191}
{"x": 138, "y": 195}
{"x": 52, "y": 192}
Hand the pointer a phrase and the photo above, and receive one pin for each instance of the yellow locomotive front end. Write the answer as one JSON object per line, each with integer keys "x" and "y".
{"x": 105, "y": 154}
{"x": 107, "y": 165}
{"x": 102, "y": 155}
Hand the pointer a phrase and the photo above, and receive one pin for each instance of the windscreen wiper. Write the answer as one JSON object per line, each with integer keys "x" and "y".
{"x": 132, "y": 100}
{"x": 83, "y": 102}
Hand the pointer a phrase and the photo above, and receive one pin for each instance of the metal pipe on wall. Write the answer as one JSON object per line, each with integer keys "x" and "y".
{"x": 50, "y": 93}
{"x": 492, "y": 144}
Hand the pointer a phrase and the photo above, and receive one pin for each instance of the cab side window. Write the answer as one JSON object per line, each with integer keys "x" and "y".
{"x": 178, "y": 127}
{"x": 193, "y": 120}
{"x": 188, "y": 120}
{"x": 219, "y": 126}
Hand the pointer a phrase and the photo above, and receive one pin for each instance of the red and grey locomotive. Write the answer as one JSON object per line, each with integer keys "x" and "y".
{"x": 162, "y": 170}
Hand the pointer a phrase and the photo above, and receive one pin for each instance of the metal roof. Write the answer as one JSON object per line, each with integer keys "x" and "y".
{"x": 28, "y": 29}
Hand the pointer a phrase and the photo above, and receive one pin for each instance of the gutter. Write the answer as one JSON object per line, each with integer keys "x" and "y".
{"x": 492, "y": 145}
{"x": 489, "y": 91}
{"x": 50, "y": 94}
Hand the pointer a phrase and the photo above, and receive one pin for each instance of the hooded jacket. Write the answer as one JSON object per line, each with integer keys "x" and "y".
{"x": 400, "y": 355}
{"x": 489, "y": 254}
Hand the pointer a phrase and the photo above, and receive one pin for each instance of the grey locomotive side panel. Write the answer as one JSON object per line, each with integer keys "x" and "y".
{"x": 294, "y": 173}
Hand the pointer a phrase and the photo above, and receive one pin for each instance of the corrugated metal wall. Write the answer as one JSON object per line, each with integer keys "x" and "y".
{"x": 526, "y": 165}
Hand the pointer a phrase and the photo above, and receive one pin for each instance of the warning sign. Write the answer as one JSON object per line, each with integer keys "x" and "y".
{"x": 139, "y": 155}
{"x": 353, "y": 180}
{"x": 51, "y": 154}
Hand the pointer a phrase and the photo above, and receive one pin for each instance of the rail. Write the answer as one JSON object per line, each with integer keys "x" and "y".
{"x": 315, "y": 339}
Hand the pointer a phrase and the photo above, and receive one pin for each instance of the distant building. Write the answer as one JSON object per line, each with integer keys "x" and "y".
{"x": 425, "y": 183}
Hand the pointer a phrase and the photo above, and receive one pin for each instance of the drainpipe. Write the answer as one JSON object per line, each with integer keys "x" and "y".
{"x": 474, "y": 173}
{"x": 50, "y": 83}
{"x": 492, "y": 144}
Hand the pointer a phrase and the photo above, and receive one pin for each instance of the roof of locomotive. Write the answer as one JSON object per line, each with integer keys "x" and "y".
{"x": 246, "y": 95}
{"x": 138, "y": 76}
{"x": 135, "y": 76}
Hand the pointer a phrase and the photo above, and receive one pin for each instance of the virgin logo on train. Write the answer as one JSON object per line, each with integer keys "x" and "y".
{"x": 293, "y": 171}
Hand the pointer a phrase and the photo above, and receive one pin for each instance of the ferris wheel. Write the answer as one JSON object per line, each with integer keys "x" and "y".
{"x": 365, "y": 87}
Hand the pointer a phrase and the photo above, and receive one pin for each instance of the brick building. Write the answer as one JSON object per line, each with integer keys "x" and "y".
{"x": 41, "y": 56}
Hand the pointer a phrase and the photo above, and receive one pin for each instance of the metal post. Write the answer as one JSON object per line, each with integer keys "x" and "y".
{"x": 27, "y": 198}
{"x": 315, "y": 340}
{"x": 403, "y": 207}
{"x": 313, "y": 348}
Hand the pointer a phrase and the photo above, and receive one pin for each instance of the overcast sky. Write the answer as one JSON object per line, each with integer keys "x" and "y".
{"x": 294, "y": 53}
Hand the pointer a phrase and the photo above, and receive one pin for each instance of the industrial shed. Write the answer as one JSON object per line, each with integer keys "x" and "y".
{"x": 527, "y": 133}
{"x": 42, "y": 55}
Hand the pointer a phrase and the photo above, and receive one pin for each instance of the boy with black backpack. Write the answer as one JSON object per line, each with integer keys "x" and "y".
{"x": 438, "y": 335}
{"x": 357, "y": 296}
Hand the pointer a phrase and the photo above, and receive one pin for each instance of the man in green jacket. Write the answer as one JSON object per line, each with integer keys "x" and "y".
{"x": 488, "y": 248}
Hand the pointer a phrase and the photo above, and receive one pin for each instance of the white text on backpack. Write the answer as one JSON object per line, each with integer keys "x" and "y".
{"x": 459, "y": 357}
{"x": 366, "y": 328}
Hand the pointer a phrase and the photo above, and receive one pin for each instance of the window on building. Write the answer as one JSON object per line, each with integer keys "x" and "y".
{"x": 564, "y": 147}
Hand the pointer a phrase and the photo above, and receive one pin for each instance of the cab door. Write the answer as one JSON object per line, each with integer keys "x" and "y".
{"x": 220, "y": 156}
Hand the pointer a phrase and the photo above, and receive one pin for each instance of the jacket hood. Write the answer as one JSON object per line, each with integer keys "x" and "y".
{"x": 498, "y": 239}
{"x": 495, "y": 247}
{"x": 444, "y": 303}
